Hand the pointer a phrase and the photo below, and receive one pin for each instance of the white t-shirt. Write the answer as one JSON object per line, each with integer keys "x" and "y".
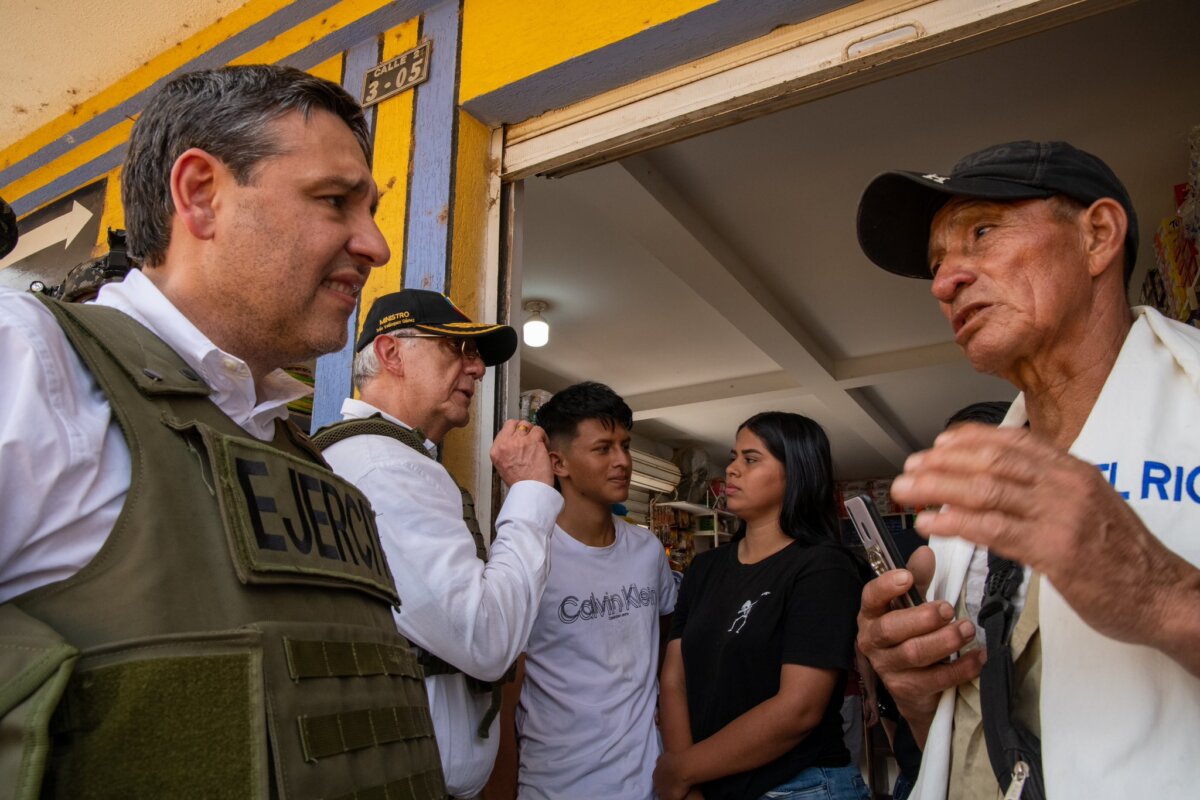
{"x": 585, "y": 724}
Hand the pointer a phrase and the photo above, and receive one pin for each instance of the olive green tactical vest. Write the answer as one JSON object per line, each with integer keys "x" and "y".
{"x": 376, "y": 425}
{"x": 235, "y": 630}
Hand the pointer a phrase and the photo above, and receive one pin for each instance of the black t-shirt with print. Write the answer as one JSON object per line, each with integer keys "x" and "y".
{"x": 740, "y": 623}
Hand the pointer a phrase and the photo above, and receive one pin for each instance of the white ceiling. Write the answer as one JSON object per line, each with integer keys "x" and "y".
{"x": 720, "y": 276}
{"x": 58, "y": 53}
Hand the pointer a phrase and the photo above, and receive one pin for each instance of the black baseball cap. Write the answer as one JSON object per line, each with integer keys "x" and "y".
{"x": 897, "y": 208}
{"x": 433, "y": 312}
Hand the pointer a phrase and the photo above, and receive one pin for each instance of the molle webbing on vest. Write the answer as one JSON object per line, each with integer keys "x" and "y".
{"x": 415, "y": 786}
{"x": 244, "y": 599}
{"x": 348, "y": 659}
{"x": 376, "y": 425}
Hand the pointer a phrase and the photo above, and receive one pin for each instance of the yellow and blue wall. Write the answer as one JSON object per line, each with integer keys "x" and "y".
{"x": 493, "y": 62}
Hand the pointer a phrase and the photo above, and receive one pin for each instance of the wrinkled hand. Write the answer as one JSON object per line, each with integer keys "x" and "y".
{"x": 669, "y": 782}
{"x": 908, "y": 648}
{"x": 1018, "y": 495}
{"x": 520, "y": 453}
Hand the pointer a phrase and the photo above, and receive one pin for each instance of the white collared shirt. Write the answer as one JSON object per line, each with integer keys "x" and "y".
{"x": 473, "y": 615}
{"x": 64, "y": 464}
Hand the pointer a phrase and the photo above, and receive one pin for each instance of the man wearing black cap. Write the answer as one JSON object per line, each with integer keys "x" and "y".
{"x": 1092, "y": 484}
{"x": 418, "y": 361}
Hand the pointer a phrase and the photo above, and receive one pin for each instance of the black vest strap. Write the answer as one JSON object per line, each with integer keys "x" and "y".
{"x": 1009, "y": 741}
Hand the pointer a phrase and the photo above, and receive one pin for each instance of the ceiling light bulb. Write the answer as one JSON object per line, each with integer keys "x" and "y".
{"x": 536, "y": 331}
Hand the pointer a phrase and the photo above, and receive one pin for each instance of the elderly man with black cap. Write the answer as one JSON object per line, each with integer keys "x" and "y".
{"x": 1093, "y": 645}
{"x": 418, "y": 361}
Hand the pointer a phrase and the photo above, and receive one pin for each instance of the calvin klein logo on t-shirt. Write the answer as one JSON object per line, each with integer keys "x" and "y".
{"x": 743, "y": 614}
{"x": 610, "y": 606}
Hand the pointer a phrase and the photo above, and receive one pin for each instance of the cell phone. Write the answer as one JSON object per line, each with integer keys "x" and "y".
{"x": 882, "y": 553}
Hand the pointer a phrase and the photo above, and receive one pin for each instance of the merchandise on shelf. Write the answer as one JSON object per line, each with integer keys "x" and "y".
{"x": 687, "y": 528}
{"x": 1171, "y": 282}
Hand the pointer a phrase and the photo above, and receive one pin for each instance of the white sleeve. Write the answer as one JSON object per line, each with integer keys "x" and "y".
{"x": 64, "y": 467}
{"x": 473, "y": 615}
{"x": 668, "y": 587}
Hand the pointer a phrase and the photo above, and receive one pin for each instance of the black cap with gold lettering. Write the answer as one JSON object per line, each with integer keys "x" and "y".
{"x": 433, "y": 312}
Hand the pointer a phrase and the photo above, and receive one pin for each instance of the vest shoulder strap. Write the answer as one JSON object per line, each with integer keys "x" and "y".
{"x": 374, "y": 425}
{"x": 103, "y": 334}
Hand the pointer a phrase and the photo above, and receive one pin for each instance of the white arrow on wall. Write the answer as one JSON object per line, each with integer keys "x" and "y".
{"x": 48, "y": 234}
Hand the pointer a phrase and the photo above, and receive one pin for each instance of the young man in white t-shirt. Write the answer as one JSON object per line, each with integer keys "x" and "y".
{"x": 586, "y": 717}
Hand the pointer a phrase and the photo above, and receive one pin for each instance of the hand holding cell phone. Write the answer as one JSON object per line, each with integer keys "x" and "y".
{"x": 881, "y": 550}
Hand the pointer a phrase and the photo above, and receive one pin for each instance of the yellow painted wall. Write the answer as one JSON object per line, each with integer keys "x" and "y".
{"x": 473, "y": 169}
{"x": 505, "y": 41}
{"x": 113, "y": 213}
{"x": 294, "y": 39}
{"x": 253, "y": 12}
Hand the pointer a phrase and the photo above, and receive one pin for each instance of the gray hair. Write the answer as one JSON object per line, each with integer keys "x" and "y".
{"x": 227, "y": 113}
{"x": 366, "y": 363}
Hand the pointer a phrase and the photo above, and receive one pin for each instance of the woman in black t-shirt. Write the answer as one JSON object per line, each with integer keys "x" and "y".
{"x": 763, "y": 634}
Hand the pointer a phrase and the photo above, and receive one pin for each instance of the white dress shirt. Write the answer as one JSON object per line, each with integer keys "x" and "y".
{"x": 64, "y": 463}
{"x": 473, "y": 615}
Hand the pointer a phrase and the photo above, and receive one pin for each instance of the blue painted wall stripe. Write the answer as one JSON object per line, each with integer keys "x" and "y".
{"x": 452, "y": 178}
{"x": 692, "y": 36}
{"x": 325, "y": 48}
{"x": 332, "y": 377}
{"x": 345, "y": 38}
{"x": 242, "y": 42}
{"x": 83, "y": 174}
{"x": 428, "y": 232}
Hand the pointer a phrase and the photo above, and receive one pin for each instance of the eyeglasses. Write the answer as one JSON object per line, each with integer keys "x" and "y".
{"x": 465, "y": 348}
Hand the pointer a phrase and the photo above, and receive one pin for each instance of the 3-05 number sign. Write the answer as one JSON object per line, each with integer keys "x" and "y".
{"x": 395, "y": 75}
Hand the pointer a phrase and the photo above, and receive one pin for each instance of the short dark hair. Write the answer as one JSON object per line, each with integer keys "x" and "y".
{"x": 809, "y": 513}
{"x": 227, "y": 113}
{"x": 561, "y": 414}
{"x": 989, "y": 413}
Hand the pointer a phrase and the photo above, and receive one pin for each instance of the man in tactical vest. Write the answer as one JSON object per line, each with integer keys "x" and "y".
{"x": 1090, "y": 686}
{"x": 191, "y": 603}
{"x": 419, "y": 358}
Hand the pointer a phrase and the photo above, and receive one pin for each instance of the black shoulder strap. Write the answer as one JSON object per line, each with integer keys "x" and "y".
{"x": 1009, "y": 742}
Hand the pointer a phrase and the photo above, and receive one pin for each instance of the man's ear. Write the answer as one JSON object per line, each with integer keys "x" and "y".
{"x": 559, "y": 465}
{"x": 1104, "y": 226}
{"x": 195, "y": 177}
{"x": 390, "y": 352}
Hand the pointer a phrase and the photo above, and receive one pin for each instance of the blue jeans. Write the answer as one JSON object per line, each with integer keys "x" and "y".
{"x": 822, "y": 783}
